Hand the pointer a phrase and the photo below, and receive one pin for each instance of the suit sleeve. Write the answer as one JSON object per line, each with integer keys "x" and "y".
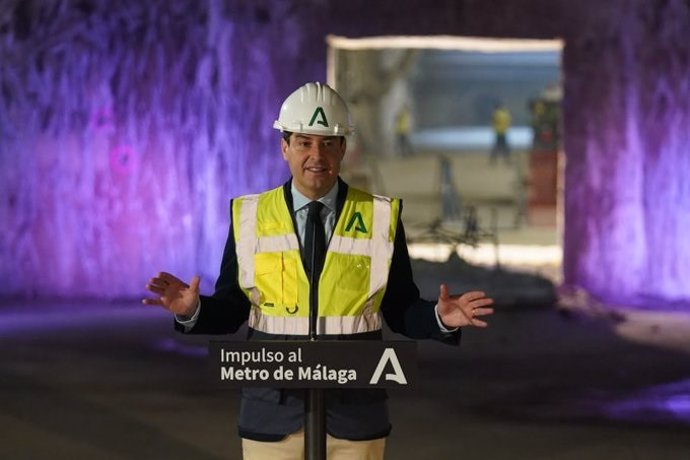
{"x": 403, "y": 309}
{"x": 228, "y": 308}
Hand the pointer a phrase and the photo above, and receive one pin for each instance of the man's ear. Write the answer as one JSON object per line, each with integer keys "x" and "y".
{"x": 343, "y": 146}
{"x": 283, "y": 148}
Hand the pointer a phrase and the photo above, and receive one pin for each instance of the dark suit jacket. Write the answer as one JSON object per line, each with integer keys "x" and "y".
{"x": 403, "y": 310}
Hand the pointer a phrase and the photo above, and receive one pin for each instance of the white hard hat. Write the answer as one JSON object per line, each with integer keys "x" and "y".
{"x": 314, "y": 108}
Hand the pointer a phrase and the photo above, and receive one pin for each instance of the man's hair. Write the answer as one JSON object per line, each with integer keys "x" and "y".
{"x": 286, "y": 136}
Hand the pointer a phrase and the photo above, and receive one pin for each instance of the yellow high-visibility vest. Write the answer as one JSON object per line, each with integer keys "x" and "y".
{"x": 354, "y": 275}
{"x": 501, "y": 120}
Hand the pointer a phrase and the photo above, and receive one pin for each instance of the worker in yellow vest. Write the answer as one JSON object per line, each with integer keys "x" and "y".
{"x": 364, "y": 279}
{"x": 500, "y": 121}
{"x": 403, "y": 126}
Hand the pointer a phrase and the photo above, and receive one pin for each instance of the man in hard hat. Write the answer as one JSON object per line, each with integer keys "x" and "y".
{"x": 365, "y": 278}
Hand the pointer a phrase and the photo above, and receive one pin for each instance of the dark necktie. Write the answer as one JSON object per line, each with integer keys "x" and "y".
{"x": 314, "y": 239}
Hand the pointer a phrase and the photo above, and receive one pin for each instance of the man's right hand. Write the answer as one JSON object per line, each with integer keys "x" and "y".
{"x": 173, "y": 294}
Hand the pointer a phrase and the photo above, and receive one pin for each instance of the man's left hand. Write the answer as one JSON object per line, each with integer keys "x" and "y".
{"x": 463, "y": 310}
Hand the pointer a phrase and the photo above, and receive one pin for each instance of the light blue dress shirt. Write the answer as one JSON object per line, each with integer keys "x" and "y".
{"x": 299, "y": 204}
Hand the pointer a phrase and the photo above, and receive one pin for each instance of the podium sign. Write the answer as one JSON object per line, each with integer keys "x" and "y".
{"x": 314, "y": 364}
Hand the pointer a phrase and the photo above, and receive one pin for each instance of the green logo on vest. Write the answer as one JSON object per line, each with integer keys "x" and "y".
{"x": 356, "y": 219}
{"x": 322, "y": 120}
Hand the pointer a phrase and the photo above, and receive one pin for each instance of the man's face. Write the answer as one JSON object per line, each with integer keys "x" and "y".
{"x": 314, "y": 162}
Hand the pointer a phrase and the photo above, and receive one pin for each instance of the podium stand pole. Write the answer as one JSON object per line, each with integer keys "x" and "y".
{"x": 315, "y": 402}
{"x": 315, "y": 424}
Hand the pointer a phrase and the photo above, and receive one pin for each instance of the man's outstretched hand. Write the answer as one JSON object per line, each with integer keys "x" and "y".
{"x": 463, "y": 310}
{"x": 173, "y": 294}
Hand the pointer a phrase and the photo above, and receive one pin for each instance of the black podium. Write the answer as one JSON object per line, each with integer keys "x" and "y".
{"x": 314, "y": 366}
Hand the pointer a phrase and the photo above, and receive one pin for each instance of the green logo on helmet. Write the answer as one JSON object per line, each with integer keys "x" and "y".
{"x": 319, "y": 118}
{"x": 356, "y": 219}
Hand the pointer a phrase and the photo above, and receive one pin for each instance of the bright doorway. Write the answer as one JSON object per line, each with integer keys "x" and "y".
{"x": 450, "y": 87}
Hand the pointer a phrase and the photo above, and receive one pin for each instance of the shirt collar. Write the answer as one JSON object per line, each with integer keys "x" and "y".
{"x": 329, "y": 199}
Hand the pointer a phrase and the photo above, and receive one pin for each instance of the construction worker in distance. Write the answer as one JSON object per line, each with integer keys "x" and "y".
{"x": 500, "y": 122}
{"x": 403, "y": 125}
{"x": 366, "y": 278}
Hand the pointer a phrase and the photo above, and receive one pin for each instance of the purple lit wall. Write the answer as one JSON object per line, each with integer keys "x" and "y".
{"x": 627, "y": 199}
{"x": 125, "y": 127}
{"x": 124, "y": 132}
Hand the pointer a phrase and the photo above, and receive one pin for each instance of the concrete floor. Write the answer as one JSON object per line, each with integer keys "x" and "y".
{"x": 113, "y": 381}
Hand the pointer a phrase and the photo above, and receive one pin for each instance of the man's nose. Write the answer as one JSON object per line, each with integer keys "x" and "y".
{"x": 318, "y": 149}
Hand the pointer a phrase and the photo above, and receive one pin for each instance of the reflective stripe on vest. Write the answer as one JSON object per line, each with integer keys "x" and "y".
{"x": 355, "y": 272}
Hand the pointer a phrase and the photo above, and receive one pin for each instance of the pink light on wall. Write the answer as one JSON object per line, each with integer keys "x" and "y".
{"x": 123, "y": 159}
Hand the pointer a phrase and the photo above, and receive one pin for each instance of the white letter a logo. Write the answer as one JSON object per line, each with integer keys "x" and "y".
{"x": 398, "y": 375}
